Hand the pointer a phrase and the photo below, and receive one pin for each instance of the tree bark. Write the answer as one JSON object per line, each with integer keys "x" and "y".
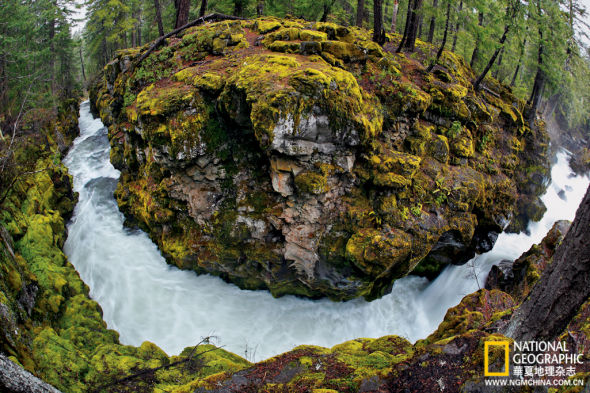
{"x": 259, "y": 8}
{"x": 378, "y": 32}
{"x": 457, "y": 26}
{"x": 538, "y": 87}
{"x": 564, "y": 286}
{"x": 432, "y": 23}
{"x": 203, "y": 9}
{"x": 475, "y": 54}
{"x": 239, "y": 7}
{"x": 444, "y": 41}
{"x": 182, "y": 8}
{"x": 408, "y": 42}
{"x": 360, "y": 12}
{"x": 159, "y": 17}
{"x": 394, "y": 16}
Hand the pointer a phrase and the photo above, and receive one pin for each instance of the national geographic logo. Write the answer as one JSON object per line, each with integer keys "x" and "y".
{"x": 531, "y": 363}
{"x": 502, "y": 346}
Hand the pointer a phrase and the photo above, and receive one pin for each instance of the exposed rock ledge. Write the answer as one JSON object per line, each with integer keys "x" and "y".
{"x": 304, "y": 158}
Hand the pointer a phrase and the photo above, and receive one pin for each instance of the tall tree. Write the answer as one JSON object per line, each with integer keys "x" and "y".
{"x": 360, "y": 12}
{"x": 394, "y": 16}
{"x": 408, "y": 41}
{"x": 475, "y": 54}
{"x": 444, "y": 40}
{"x": 378, "y": 32}
{"x": 182, "y": 9}
{"x": 512, "y": 11}
{"x": 563, "y": 287}
{"x": 432, "y": 22}
{"x": 158, "y": 10}
{"x": 456, "y": 30}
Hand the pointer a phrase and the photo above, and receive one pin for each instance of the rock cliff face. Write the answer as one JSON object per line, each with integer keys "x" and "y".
{"x": 304, "y": 158}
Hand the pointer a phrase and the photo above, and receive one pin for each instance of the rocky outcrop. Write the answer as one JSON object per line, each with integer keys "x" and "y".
{"x": 304, "y": 158}
{"x": 519, "y": 276}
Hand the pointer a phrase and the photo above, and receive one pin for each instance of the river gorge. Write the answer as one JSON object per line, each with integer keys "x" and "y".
{"x": 143, "y": 298}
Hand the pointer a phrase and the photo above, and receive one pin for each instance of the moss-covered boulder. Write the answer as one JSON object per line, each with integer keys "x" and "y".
{"x": 304, "y": 158}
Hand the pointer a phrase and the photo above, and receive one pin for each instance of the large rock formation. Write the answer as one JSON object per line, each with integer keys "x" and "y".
{"x": 304, "y": 158}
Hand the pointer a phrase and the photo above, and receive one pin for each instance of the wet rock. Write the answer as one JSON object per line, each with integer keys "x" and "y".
{"x": 303, "y": 173}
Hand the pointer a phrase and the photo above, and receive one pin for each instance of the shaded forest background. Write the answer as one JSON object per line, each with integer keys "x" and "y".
{"x": 534, "y": 46}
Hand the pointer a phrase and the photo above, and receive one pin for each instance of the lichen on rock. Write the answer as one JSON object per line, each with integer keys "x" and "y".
{"x": 288, "y": 155}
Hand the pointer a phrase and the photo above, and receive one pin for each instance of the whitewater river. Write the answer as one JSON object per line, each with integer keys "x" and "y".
{"x": 143, "y": 298}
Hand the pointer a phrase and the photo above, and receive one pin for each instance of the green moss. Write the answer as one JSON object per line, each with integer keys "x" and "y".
{"x": 160, "y": 101}
{"x": 311, "y": 183}
{"x": 374, "y": 252}
{"x": 284, "y": 47}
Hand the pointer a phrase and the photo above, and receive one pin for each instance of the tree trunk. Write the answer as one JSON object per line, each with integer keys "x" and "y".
{"x": 82, "y": 63}
{"x": 497, "y": 70}
{"x": 203, "y": 9}
{"x": 538, "y": 87}
{"x": 360, "y": 12}
{"x": 182, "y": 8}
{"x": 457, "y": 26}
{"x": 563, "y": 287}
{"x": 52, "y": 54}
{"x": 259, "y": 8}
{"x": 378, "y": 32}
{"x": 444, "y": 41}
{"x": 411, "y": 31}
{"x": 432, "y": 23}
{"x": 159, "y": 17}
{"x": 239, "y": 7}
{"x": 522, "y": 49}
{"x": 475, "y": 54}
{"x": 492, "y": 60}
{"x": 394, "y": 16}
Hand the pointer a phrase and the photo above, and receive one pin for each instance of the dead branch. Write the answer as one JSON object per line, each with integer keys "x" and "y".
{"x": 191, "y": 356}
{"x": 215, "y": 17}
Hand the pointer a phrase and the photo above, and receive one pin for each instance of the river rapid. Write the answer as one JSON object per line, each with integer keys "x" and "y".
{"x": 144, "y": 298}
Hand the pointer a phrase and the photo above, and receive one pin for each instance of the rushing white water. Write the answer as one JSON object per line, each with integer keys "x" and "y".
{"x": 143, "y": 298}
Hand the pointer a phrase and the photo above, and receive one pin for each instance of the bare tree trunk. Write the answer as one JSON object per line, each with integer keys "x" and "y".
{"x": 182, "y": 8}
{"x": 239, "y": 7}
{"x": 394, "y": 16}
{"x": 457, "y": 26}
{"x": 360, "y": 12}
{"x": 538, "y": 85}
{"x": 444, "y": 41}
{"x": 475, "y": 54}
{"x": 563, "y": 287}
{"x": 203, "y": 9}
{"x": 432, "y": 23}
{"x": 82, "y": 63}
{"x": 259, "y": 8}
{"x": 378, "y": 32}
{"x": 409, "y": 41}
{"x": 159, "y": 17}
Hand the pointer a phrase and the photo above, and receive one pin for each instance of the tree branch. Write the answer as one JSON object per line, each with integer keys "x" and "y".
{"x": 207, "y": 18}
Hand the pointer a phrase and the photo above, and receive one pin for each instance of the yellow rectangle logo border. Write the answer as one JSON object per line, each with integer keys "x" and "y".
{"x": 486, "y": 359}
